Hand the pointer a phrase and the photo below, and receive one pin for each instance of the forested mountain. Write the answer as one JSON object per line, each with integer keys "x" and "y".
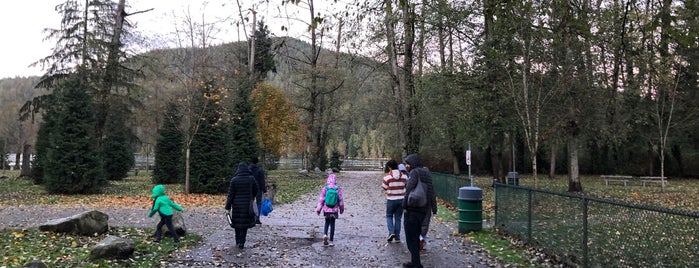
{"x": 358, "y": 109}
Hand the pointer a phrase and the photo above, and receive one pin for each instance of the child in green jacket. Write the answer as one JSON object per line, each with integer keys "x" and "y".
{"x": 163, "y": 205}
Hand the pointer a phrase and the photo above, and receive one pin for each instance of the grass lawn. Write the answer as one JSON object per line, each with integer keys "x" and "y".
{"x": 680, "y": 194}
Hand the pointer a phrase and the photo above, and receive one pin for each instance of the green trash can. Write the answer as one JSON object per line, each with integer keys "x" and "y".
{"x": 512, "y": 178}
{"x": 470, "y": 209}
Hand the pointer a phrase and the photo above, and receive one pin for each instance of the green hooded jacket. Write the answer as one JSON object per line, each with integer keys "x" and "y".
{"x": 162, "y": 202}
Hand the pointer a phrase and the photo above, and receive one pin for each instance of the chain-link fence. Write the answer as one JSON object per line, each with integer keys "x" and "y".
{"x": 446, "y": 186}
{"x": 593, "y": 232}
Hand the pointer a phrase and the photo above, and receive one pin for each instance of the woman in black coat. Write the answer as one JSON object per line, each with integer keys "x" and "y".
{"x": 241, "y": 192}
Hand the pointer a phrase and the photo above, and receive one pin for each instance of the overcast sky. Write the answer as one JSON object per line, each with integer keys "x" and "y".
{"x": 23, "y": 22}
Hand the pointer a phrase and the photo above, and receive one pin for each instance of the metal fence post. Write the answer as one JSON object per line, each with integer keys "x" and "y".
{"x": 529, "y": 216}
{"x": 495, "y": 196}
{"x": 585, "y": 230}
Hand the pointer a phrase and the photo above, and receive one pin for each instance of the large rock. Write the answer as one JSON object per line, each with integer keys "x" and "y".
{"x": 177, "y": 222}
{"x": 35, "y": 264}
{"x": 113, "y": 247}
{"x": 86, "y": 223}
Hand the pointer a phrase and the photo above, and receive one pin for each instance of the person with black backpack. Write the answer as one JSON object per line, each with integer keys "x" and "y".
{"x": 259, "y": 175}
{"x": 332, "y": 203}
{"x": 414, "y": 214}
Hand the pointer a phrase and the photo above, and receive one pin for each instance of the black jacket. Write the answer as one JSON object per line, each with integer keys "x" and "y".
{"x": 241, "y": 192}
{"x": 418, "y": 171}
{"x": 259, "y": 175}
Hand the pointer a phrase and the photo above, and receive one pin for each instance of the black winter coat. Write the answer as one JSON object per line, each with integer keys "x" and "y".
{"x": 259, "y": 175}
{"x": 241, "y": 192}
{"x": 417, "y": 171}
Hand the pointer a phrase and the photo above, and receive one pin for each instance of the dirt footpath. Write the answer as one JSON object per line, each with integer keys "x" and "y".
{"x": 292, "y": 236}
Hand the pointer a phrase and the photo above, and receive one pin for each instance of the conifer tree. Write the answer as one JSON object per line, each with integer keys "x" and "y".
{"x": 117, "y": 153}
{"x": 168, "y": 149}
{"x": 72, "y": 164}
{"x": 242, "y": 142}
{"x": 209, "y": 170}
{"x": 42, "y": 145}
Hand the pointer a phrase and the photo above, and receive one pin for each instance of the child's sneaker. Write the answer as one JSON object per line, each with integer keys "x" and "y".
{"x": 422, "y": 243}
{"x": 390, "y": 237}
{"x": 325, "y": 240}
{"x": 332, "y": 244}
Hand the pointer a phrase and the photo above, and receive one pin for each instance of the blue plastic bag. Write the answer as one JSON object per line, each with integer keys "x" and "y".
{"x": 266, "y": 207}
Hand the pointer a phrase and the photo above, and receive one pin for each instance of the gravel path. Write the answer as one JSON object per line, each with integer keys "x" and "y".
{"x": 291, "y": 236}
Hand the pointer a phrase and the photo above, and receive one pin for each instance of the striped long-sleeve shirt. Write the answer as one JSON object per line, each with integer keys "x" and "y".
{"x": 394, "y": 183}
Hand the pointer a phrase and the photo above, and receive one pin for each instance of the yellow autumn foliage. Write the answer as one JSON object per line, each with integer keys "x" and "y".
{"x": 277, "y": 119}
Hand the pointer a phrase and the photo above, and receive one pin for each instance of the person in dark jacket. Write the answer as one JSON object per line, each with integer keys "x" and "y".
{"x": 241, "y": 192}
{"x": 259, "y": 175}
{"x": 415, "y": 216}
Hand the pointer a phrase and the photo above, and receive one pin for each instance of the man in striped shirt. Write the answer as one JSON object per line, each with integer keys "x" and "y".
{"x": 394, "y": 183}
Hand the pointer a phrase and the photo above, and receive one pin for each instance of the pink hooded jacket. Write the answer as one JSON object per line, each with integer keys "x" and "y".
{"x": 331, "y": 182}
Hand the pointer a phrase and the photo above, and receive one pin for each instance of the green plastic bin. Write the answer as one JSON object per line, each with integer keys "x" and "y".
{"x": 470, "y": 209}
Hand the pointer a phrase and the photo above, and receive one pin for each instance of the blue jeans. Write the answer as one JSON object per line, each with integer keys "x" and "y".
{"x": 167, "y": 221}
{"x": 330, "y": 224}
{"x": 394, "y": 214}
{"x": 413, "y": 226}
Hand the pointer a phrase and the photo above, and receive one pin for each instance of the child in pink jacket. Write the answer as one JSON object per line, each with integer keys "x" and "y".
{"x": 331, "y": 202}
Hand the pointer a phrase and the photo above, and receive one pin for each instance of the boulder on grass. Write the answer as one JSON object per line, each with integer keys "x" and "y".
{"x": 35, "y": 264}
{"x": 113, "y": 247}
{"x": 177, "y": 222}
{"x": 86, "y": 223}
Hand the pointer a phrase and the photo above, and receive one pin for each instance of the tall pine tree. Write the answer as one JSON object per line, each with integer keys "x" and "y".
{"x": 116, "y": 149}
{"x": 72, "y": 165}
{"x": 242, "y": 142}
{"x": 209, "y": 168}
{"x": 169, "y": 165}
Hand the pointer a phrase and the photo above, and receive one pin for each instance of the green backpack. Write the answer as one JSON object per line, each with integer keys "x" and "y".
{"x": 331, "y": 197}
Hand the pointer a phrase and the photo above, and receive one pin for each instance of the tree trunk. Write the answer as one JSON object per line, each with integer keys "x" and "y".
{"x": 651, "y": 159}
{"x": 18, "y": 156}
{"x": 496, "y": 157}
{"x": 552, "y": 165}
{"x": 413, "y": 131}
{"x": 26, "y": 161}
{"x": 574, "y": 184}
{"x": 455, "y": 164}
{"x": 677, "y": 154}
{"x": 186, "y": 170}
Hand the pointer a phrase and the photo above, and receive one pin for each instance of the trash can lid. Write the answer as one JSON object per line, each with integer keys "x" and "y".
{"x": 470, "y": 193}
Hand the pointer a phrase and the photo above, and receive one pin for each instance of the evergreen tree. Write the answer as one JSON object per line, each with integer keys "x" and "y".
{"x": 242, "y": 142}
{"x": 168, "y": 149}
{"x": 42, "y": 145}
{"x": 72, "y": 165}
{"x": 264, "y": 58}
{"x": 117, "y": 153}
{"x": 209, "y": 169}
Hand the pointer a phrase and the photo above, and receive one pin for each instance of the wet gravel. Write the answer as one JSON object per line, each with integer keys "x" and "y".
{"x": 291, "y": 236}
